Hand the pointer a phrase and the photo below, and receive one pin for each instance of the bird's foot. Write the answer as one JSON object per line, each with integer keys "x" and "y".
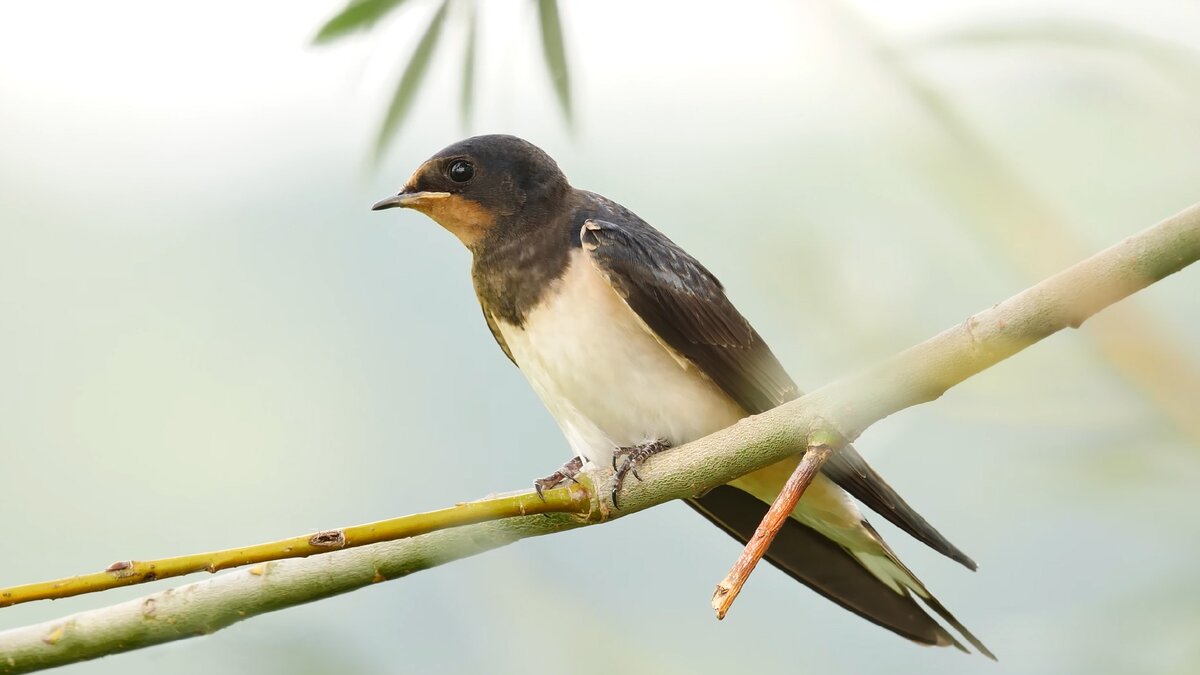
{"x": 631, "y": 458}
{"x": 565, "y": 473}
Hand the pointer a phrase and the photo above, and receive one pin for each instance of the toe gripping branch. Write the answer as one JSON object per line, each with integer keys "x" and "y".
{"x": 567, "y": 472}
{"x": 626, "y": 460}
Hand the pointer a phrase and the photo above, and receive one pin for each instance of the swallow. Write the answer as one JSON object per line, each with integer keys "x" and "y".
{"x": 634, "y": 347}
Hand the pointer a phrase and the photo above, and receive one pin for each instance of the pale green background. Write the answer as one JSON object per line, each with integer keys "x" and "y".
{"x": 206, "y": 339}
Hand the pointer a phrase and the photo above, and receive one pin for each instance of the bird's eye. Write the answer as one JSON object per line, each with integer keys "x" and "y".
{"x": 460, "y": 171}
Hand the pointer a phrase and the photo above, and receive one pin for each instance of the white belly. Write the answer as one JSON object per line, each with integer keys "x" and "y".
{"x": 605, "y": 378}
{"x": 609, "y": 383}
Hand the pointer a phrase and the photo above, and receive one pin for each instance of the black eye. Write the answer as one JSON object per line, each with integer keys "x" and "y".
{"x": 460, "y": 171}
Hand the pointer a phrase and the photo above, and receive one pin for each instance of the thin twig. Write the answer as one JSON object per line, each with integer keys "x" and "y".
{"x": 569, "y": 499}
{"x": 781, "y": 509}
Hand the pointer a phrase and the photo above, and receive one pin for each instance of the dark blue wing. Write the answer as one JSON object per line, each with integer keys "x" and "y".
{"x": 686, "y": 306}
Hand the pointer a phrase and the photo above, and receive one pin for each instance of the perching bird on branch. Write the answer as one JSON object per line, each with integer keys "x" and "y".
{"x": 633, "y": 347}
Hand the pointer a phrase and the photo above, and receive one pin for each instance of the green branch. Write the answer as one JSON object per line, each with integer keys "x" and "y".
{"x": 915, "y": 376}
{"x": 570, "y": 499}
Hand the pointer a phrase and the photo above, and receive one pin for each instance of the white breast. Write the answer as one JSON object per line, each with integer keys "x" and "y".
{"x": 609, "y": 382}
{"x": 606, "y": 379}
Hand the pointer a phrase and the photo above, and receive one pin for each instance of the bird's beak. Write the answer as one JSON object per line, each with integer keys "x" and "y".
{"x": 408, "y": 199}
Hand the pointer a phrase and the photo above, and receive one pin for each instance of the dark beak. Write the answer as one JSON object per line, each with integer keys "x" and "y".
{"x": 407, "y": 199}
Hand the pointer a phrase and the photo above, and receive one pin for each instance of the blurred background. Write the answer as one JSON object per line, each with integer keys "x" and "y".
{"x": 206, "y": 339}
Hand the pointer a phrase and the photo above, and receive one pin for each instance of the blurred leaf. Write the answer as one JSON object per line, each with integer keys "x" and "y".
{"x": 410, "y": 81}
{"x": 466, "y": 101}
{"x": 555, "y": 53}
{"x": 358, "y": 15}
{"x": 1078, "y": 33}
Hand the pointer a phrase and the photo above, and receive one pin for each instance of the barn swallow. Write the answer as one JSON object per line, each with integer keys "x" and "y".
{"x": 634, "y": 347}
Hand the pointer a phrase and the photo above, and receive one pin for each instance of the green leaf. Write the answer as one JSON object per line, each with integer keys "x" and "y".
{"x": 410, "y": 81}
{"x": 555, "y": 53}
{"x": 466, "y": 101}
{"x": 357, "y": 15}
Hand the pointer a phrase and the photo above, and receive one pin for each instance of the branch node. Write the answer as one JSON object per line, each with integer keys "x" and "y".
{"x": 121, "y": 569}
{"x": 55, "y": 635}
{"x": 328, "y": 539}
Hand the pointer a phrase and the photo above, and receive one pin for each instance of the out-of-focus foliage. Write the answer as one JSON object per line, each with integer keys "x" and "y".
{"x": 555, "y": 53}
{"x": 1068, "y": 32}
{"x": 358, "y": 15}
{"x": 363, "y": 14}
{"x": 410, "y": 81}
{"x": 466, "y": 97}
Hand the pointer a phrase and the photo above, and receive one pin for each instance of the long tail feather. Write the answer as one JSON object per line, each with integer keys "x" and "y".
{"x": 831, "y": 570}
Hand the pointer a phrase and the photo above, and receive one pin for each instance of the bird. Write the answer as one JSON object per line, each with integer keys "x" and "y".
{"x": 634, "y": 347}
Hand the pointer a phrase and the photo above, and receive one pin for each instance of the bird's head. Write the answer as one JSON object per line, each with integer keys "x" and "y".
{"x": 476, "y": 186}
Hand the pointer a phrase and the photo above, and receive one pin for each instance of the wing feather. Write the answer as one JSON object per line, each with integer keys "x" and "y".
{"x": 686, "y": 306}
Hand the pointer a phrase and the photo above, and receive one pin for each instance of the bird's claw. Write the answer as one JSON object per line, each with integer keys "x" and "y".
{"x": 566, "y": 472}
{"x": 632, "y": 457}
